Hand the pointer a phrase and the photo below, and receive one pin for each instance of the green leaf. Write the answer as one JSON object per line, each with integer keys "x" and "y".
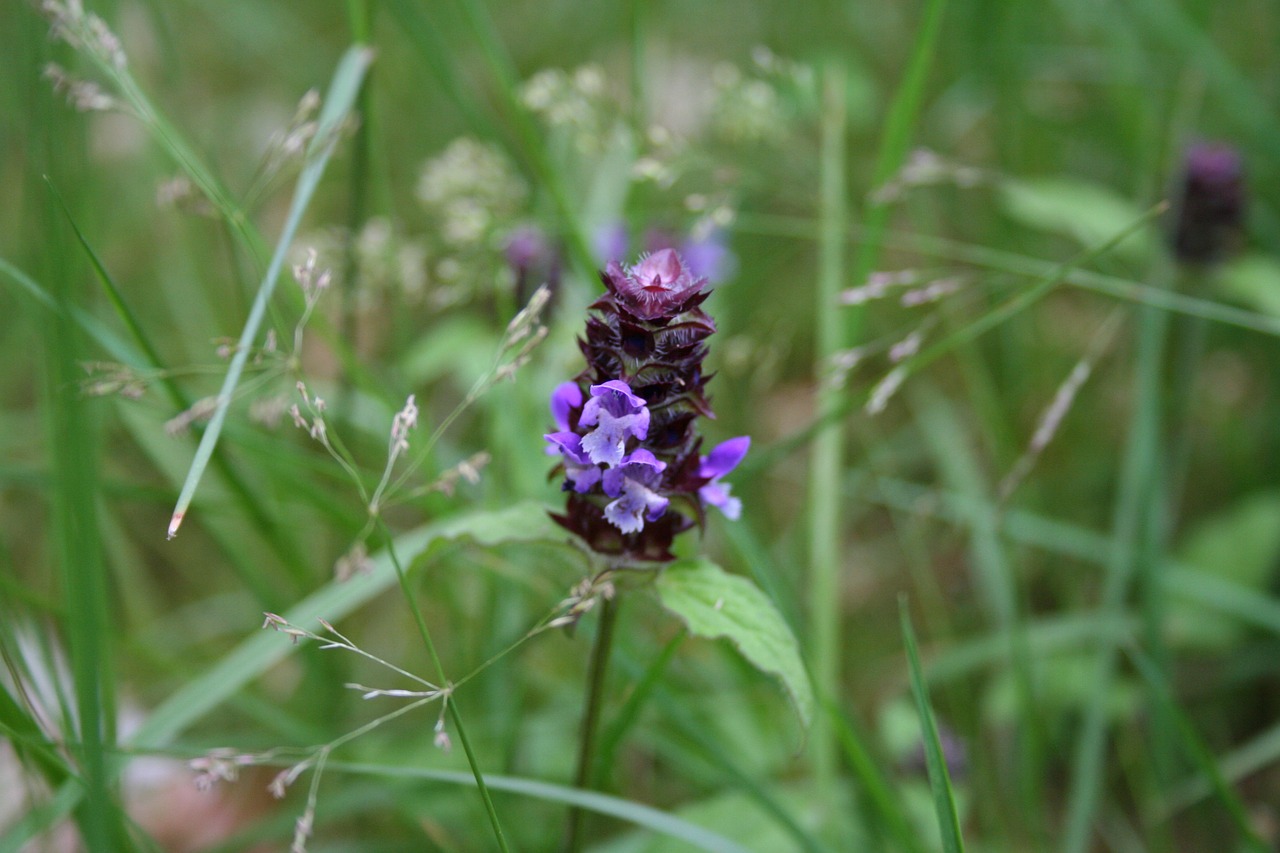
{"x": 1255, "y": 281}
{"x": 714, "y": 603}
{"x": 1239, "y": 546}
{"x": 1084, "y": 212}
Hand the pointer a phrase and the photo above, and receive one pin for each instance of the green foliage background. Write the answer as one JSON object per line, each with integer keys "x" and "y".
{"x": 1102, "y": 643}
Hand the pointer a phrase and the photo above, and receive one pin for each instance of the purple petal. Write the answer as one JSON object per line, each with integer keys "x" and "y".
{"x": 569, "y": 444}
{"x": 617, "y": 412}
{"x": 579, "y": 469}
{"x": 566, "y": 398}
{"x": 709, "y": 258}
{"x": 641, "y": 466}
{"x": 613, "y": 387}
{"x": 605, "y": 446}
{"x": 583, "y": 477}
{"x": 724, "y": 457}
{"x": 640, "y": 456}
{"x": 637, "y": 503}
{"x": 717, "y": 495}
{"x": 624, "y": 514}
{"x": 610, "y": 243}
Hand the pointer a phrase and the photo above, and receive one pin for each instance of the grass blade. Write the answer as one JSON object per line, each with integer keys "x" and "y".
{"x": 1131, "y": 554}
{"x": 1197, "y": 750}
{"x": 289, "y": 552}
{"x": 72, "y": 443}
{"x": 637, "y": 813}
{"x": 935, "y": 762}
{"x": 88, "y": 324}
{"x": 342, "y": 95}
{"x": 885, "y": 801}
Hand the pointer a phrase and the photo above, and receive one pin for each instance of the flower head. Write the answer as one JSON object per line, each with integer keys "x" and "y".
{"x": 1211, "y": 208}
{"x": 629, "y": 445}
{"x": 660, "y": 285}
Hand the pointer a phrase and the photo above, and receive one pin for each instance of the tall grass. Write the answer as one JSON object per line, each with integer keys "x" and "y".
{"x": 1084, "y": 662}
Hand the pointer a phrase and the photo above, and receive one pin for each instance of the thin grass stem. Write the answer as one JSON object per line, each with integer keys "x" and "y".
{"x": 450, "y": 705}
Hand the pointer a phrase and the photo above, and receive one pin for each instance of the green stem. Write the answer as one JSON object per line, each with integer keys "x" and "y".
{"x": 456, "y": 719}
{"x": 826, "y": 463}
{"x": 1130, "y": 551}
{"x": 450, "y": 704}
{"x": 360, "y": 16}
{"x": 599, "y": 669}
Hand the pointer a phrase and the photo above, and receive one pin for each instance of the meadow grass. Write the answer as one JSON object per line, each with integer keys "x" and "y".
{"x": 1013, "y": 475}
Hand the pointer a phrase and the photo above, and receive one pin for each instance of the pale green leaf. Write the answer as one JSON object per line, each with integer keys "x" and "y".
{"x": 1255, "y": 281}
{"x": 1084, "y": 212}
{"x": 1239, "y": 546}
{"x": 714, "y": 603}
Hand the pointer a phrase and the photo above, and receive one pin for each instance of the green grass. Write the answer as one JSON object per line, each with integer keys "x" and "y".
{"x": 1101, "y": 641}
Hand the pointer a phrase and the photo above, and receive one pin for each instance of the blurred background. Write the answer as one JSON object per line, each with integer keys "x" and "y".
{"x": 1059, "y": 449}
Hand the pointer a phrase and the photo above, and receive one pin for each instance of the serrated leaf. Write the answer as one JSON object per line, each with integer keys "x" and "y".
{"x": 714, "y": 604}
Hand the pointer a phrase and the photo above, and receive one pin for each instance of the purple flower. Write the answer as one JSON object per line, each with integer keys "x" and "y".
{"x": 720, "y": 461}
{"x": 616, "y": 413}
{"x": 634, "y": 482}
{"x": 534, "y": 259}
{"x": 579, "y": 471}
{"x": 660, "y": 284}
{"x": 566, "y": 398}
{"x": 634, "y": 477}
{"x": 527, "y": 246}
{"x": 1211, "y": 209}
{"x": 611, "y": 243}
{"x": 709, "y": 257}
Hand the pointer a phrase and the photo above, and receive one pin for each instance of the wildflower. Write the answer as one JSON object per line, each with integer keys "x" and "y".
{"x": 720, "y": 461}
{"x": 633, "y": 482}
{"x": 616, "y": 414}
{"x": 626, "y": 426}
{"x": 404, "y": 421}
{"x": 566, "y": 398}
{"x": 580, "y": 472}
{"x": 610, "y": 243}
{"x": 84, "y": 95}
{"x": 533, "y": 259}
{"x": 468, "y": 187}
{"x": 1212, "y": 205}
{"x": 201, "y": 410}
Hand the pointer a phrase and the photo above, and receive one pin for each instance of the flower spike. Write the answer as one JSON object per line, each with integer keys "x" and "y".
{"x": 627, "y": 432}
